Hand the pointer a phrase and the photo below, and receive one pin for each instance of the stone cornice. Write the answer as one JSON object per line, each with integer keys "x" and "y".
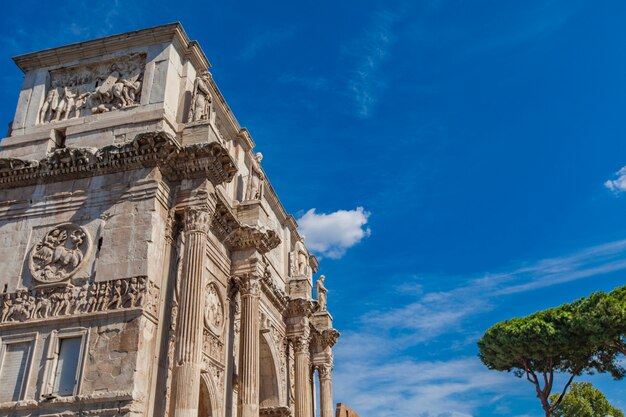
{"x": 224, "y": 220}
{"x": 154, "y": 149}
{"x": 172, "y": 32}
{"x": 299, "y": 307}
{"x": 274, "y": 294}
{"x": 252, "y": 237}
{"x": 326, "y": 338}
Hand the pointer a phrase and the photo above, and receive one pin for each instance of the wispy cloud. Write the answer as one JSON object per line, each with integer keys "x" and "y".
{"x": 266, "y": 40}
{"x": 379, "y": 375}
{"x": 410, "y": 387}
{"x": 331, "y": 234}
{"x": 618, "y": 185}
{"x": 369, "y": 53}
{"x": 432, "y": 314}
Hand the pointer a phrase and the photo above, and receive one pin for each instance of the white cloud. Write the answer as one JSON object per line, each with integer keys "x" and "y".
{"x": 333, "y": 233}
{"x": 617, "y": 185}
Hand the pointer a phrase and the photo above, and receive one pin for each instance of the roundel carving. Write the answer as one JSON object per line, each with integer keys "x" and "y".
{"x": 60, "y": 253}
{"x": 214, "y": 310}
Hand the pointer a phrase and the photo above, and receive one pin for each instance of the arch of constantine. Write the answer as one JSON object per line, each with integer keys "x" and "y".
{"x": 148, "y": 266}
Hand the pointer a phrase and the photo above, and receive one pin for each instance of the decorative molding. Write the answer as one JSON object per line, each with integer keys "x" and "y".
{"x": 59, "y": 254}
{"x": 252, "y": 237}
{"x": 300, "y": 307}
{"x": 277, "y": 411}
{"x": 153, "y": 149}
{"x": 66, "y": 300}
{"x": 212, "y": 346}
{"x": 327, "y": 338}
{"x": 274, "y": 294}
{"x": 224, "y": 221}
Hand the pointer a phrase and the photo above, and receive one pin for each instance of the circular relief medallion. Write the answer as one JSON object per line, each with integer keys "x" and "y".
{"x": 60, "y": 253}
{"x": 214, "y": 312}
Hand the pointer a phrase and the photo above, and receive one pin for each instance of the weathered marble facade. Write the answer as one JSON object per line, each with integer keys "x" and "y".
{"x": 148, "y": 267}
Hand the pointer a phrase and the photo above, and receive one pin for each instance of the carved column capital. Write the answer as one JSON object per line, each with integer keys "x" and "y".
{"x": 250, "y": 285}
{"x": 325, "y": 370}
{"x": 301, "y": 343}
{"x": 197, "y": 219}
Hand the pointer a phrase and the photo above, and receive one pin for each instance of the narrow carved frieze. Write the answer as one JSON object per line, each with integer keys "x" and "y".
{"x": 67, "y": 300}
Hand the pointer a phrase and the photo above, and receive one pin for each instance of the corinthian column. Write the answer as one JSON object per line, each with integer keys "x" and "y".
{"x": 249, "y": 347}
{"x": 189, "y": 327}
{"x": 304, "y": 406}
{"x": 326, "y": 389}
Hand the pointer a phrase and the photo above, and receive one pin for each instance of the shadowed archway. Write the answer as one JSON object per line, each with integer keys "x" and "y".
{"x": 269, "y": 394}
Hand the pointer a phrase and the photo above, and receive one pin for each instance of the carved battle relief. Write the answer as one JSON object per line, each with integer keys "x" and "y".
{"x": 95, "y": 88}
{"x": 214, "y": 309}
{"x": 60, "y": 254}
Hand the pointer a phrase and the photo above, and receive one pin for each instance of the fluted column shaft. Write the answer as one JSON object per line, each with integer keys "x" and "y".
{"x": 326, "y": 390}
{"x": 304, "y": 406}
{"x": 249, "y": 347}
{"x": 188, "y": 362}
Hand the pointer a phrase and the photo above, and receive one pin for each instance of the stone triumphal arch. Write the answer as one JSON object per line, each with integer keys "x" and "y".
{"x": 148, "y": 266}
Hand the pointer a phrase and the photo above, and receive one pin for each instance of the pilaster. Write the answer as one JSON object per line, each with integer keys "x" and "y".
{"x": 188, "y": 362}
{"x": 250, "y": 288}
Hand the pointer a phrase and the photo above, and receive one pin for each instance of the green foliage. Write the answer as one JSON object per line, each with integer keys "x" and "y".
{"x": 583, "y": 400}
{"x": 585, "y": 336}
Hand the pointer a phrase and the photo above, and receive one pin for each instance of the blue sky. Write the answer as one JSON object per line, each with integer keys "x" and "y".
{"x": 448, "y": 160}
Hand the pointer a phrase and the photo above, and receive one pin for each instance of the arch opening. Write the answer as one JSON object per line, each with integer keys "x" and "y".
{"x": 268, "y": 384}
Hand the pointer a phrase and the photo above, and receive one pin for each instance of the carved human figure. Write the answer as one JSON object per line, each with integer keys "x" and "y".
{"x": 131, "y": 293}
{"x": 142, "y": 288}
{"x": 50, "y": 104}
{"x": 70, "y": 102}
{"x": 80, "y": 304}
{"x": 321, "y": 293}
{"x": 254, "y": 189}
{"x": 201, "y": 99}
{"x": 92, "y": 295}
{"x": 116, "y": 299}
{"x": 44, "y": 305}
{"x": 300, "y": 259}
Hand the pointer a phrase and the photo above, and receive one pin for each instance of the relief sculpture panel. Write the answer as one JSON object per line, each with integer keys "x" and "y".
{"x": 60, "y": 254}
{"x": 96, "y": 88}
